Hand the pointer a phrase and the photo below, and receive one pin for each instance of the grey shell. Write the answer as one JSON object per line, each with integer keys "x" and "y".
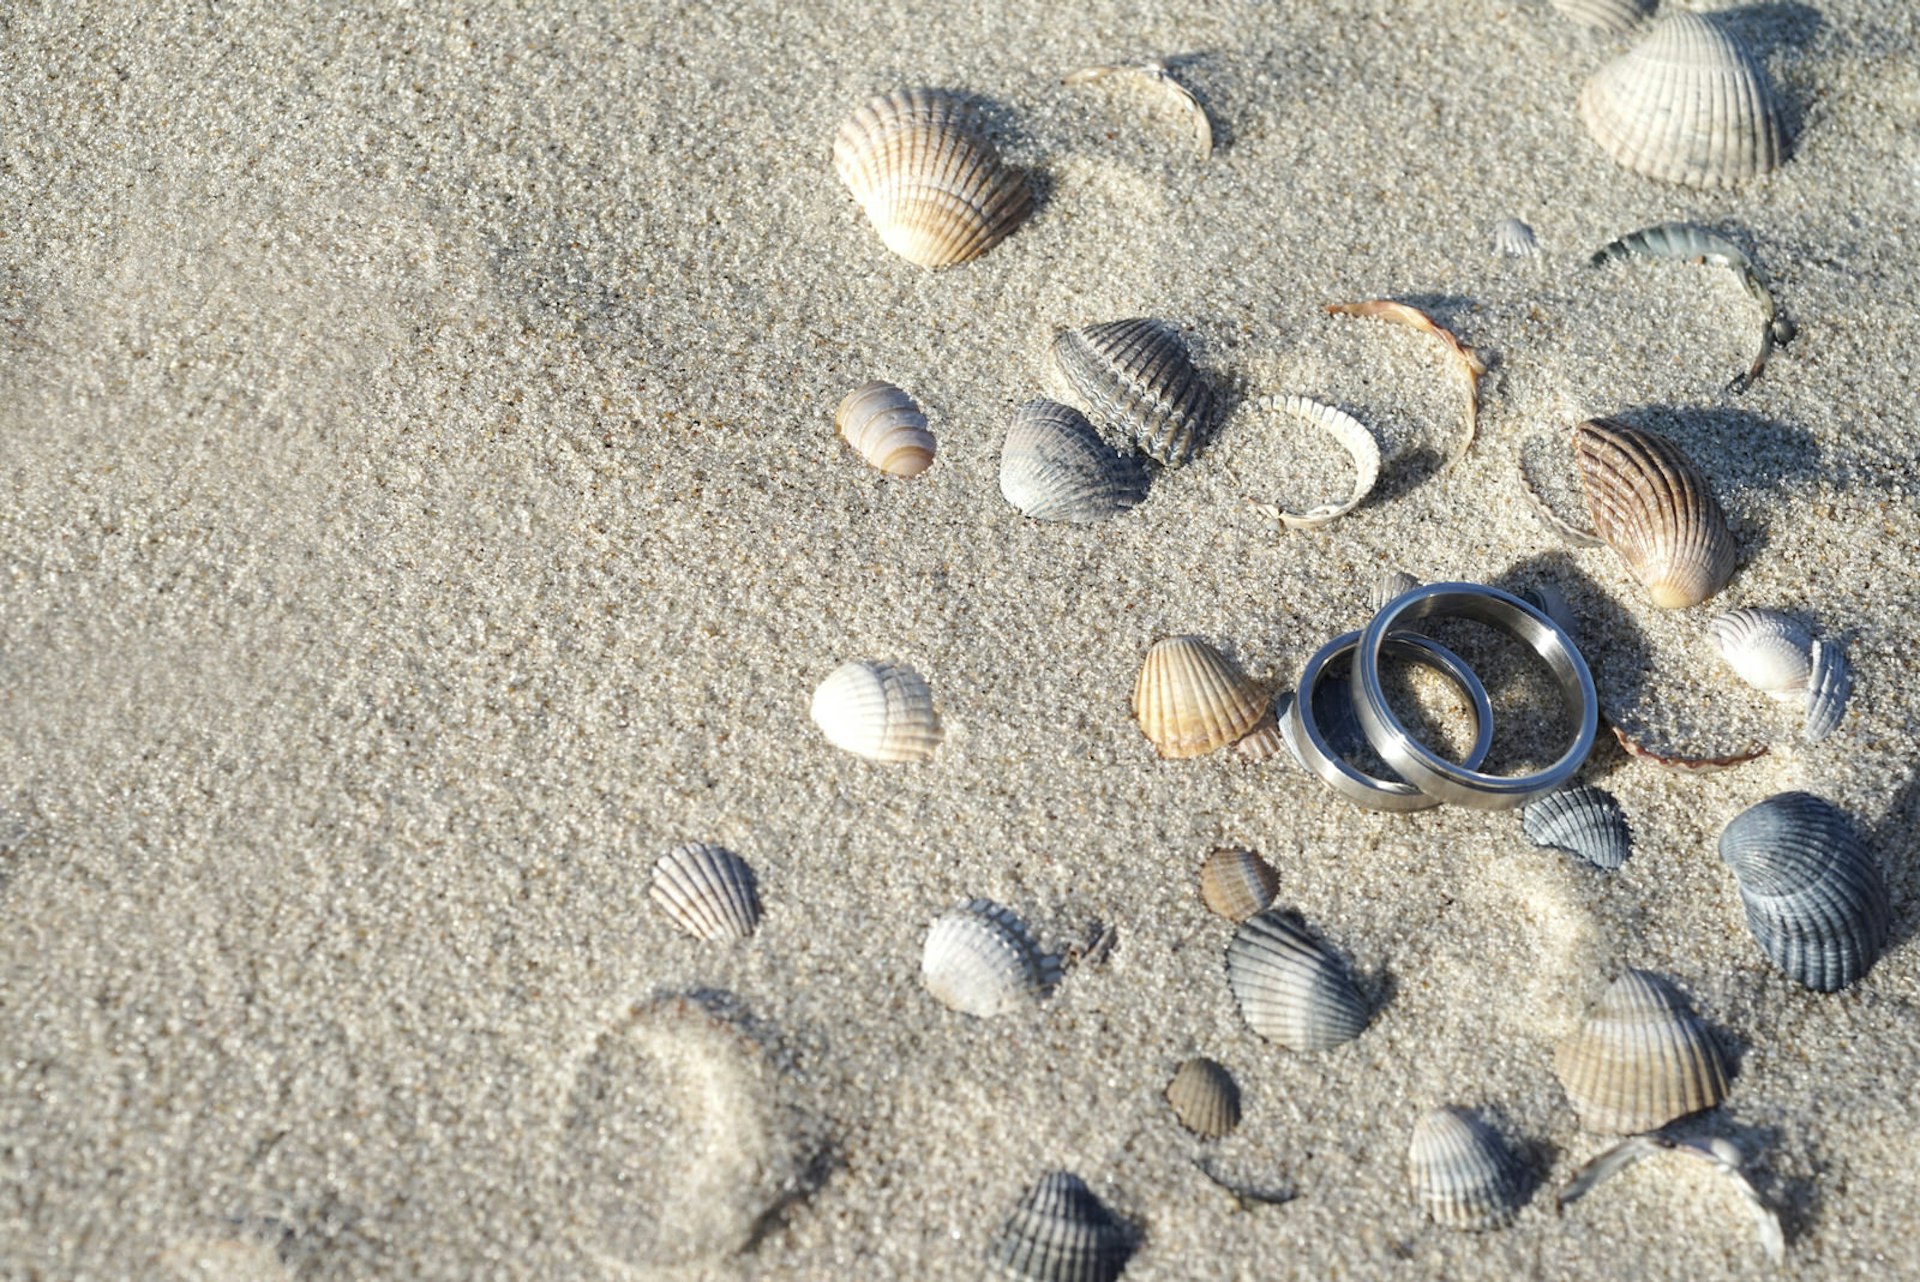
{"x": 1606, "y": 15}
{"x": 1514, "y": 239}
{"x": 1464, "y": 1175}
{"x": 708, "y": 891}
{"x": 1061, "y": 1232}
{"x": 1641, "y": 1059}
{"x": 1205, "y": 1098}
{"x": 1291, "y": 988}
{"x": 1829, "y": 686}
{"x": 981, "y": 960}
{"x": 1138, "y": 374}
{"x": 1584, "y": 821}
{"x": 1055, "y": 467}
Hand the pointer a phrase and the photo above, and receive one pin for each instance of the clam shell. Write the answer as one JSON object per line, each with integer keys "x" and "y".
{"x": 1137, "y": 374}
{"x": 1605, "y": 15}
{"x": 1236, "y": 883}
{"x": 1816, "y": 901}
{"x": 1584, "y": 821}
{"x": 1291, "y": 988}
{"x": 1829, "y": 686}
{"x": 1652, "y": 505}
{"x": 1055, "y": 467}
{"x": 1689, "y": 104}
{"x": 1205, "y": 1098}
{"x": 1352, "y": 436}
{"x": 881, "y": 711}
{"x": 981, "y": 960}
{"x": 1767, "y": 650}
{"x": 1514, "y": 239}
{"x": 1061, "y": 1232}
{"x": 1641, "y": 1059}
{"x": 708, "y": 891}
{"x": 1464, "y": 1175}
{"x": 930, "y": 182}
{"x": 1190, "y": 699}
{"x": 886, "y": 426}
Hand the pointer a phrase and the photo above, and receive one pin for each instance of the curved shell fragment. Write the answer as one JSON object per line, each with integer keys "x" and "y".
{"x": 1352, "y": 436}
{"x": 1655, "y": 508}
{"x": 882, "y": 711}
{"x": 1156, "y": 73}
{"x": 1684, "y": 763}
{"x": 1469, "y": 362}
{"x": 1641, "y": 1059}
{"x": 885, "y": 426}
{"x": 1722, "y": 1155}
{"x": 1190, "y": 699}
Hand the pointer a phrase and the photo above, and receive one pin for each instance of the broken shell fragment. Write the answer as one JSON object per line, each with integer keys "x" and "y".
{"x": 1721, "y": 1154}
{"x": 1190, "y": 699}
{"x": 708, "y": 891}
{"x": 1137, "y": 374}
{"x": 886, "y": 427}
{"x": 1264, "y": 741}
{"x": 1391, "y": 584}
{"x": 1464, "y": 1175}
{"x": 1641, "y": 1059}
{"x": 1290, "y": 987}
{"x": 881, "y": 711}
{"x": 1653, "y": 506}
{"x": 981, "y": 960}
{"x": 1766, "y": 649}
{"x": 1829, "y": 686}
{"x": 1352, "y": 436}
{"x": 1061, "y": 1232}
{"x": 1236, "y": 884}
{"x": 1585, "y": 821}
{"x": 1684, "y": 763}
{"x": 1469, "y": 362}
{"x": 1055, "y": 467}
{"x": 1205, "y": 1098}
{"x": 1605, "y": 15}
{"x": 1155, "y": 72}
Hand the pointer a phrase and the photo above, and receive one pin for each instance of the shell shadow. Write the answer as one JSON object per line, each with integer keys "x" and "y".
{"x": 1537, "y": 1156}
{"x": 1009, "y": 132}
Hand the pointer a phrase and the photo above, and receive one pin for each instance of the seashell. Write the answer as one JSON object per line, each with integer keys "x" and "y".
{"x": 1137, "y": 374}
{"x": 1290, "y": 987}
{"x": 1389, "y": 585}
{"x": 1205, "y": 1098}
{"x": 1585, "y": 821}
{"x": 1353, "y": 437}
{"x": 1236, "y": 883}
{"x": 1641, "y": 1059}
{"x": 930, "y": 182}
{"x": 1682, "y": 763}
{"x": 1816, "y": 901}
{"x": 881, "y": 711}
{"x": 981, "y": 960}
{"x": 1653, "y": 507}
{"x": 1155, "y": 72}
{"x": 1553, "y": 603}
{"x": 1606, "y": 15}
{"x": 1464, "y": 1175}
{"x": 707, "y": 890}
{"x": 1514, "y": 239}
{"x": 886, "y": 426}
{"x": 1829, "y": 686}
{"x": 1767, "y": 650}
{"x": 1190, "y": 699}
{"x": 1689, "y": 104}
{"x": 1264, "y": 741}
{"x": 1722, "y": 1155}
{"x": 1055, "y": 467}
{"x": 1061, "y": 1232}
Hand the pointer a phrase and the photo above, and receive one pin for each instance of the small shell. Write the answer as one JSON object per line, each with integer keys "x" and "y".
{"x": 1190, "y": 699}
{"x": 1584, "y": 821}
{"x": 881, "y": 711}
{"x": 1641, "y": 1059}
{"x": 1689, "y": 104}
{"x": 1553, "y": 603}
{"x": 1055, "y": 467}
{"x": 1061, "y": 1232}
{"x": 1767, "y": 650}
{"x": 1389, "y": 585}
{"x": 1652, "y": 506}
{"x": 930, "y": 182}
{"x": 1236, "y": 884}
{"x": 981, "y": 960}
{"x": 1464, "y": 1175}
{"x": 1290, "y": 987}
{"x": 1816, "y": 901}
{"x": 1137, "y": 374}
{"x": 886, "y": 427}
{"x": 1353, "y": 437}
{"x": 1829, "y": 686}
{"x": 1205, "y": 1098}
{"x": 707, "y": 890}
{"x": 1514, "y": 239}
{"x": 1606, "y": 15}
{"x": 1264, "y": 741}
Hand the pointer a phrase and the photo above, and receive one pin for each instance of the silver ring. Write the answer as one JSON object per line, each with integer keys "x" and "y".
{"x": 1421, "y": 766}
{"x": 1304, "y": 736}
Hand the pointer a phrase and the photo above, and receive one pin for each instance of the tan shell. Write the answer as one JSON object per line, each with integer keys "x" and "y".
{"x": 1263, "y": 742}
{"x": 1642, "y": 1059}
{"x": 931, "y": 183}
{"x": 1205, "y": 1098}
{"x": 1605, "y": 15}
{"x": 1464, "y": 1176}
{"x": 886, "y": 426}
{"x": 1236, "y": 884}
{"x": 1653, "y": 507}
{"x": 1191, "y": 699}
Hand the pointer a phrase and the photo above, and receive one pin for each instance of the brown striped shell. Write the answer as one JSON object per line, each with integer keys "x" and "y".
{"x": 1641, "y": 1059}
{"x": 1205, "y": 1098}
{"x": 1190, "y": 699}
{"x": 886, "y": 427}
{"x": 1236, "y": 883}
{"x": 1653, "y": 506}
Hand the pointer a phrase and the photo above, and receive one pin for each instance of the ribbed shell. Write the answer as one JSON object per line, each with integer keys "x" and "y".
{"x": 708, "y": 891}
{"x": 1190, "y": 699}
{"x": 1767, "y": 650}
{"x": 1641, "y": 1059}
{"x": 1514, "y": 239}
{"x": 1387, "y": 586}
{"x": 886, "y": 427}
{"x": 1137, "y": 374}
{"x": 1290, "y": 987}
{"x": 1061, "y": 1232}
{"x": 981, "y": 960}
{"x": 1264, "y": 740}
{"x": 1464, "y": 1175}
{"x": 1653, "y": 506}
{"x": 1205, "y": 1098}
{"x": 1584, "y": 821}
{"x": 1606, "y": 15}
{"x": 1816, "y": 901}
{"x": 1351, "y": 435}
{"x": 929, "y": 180}
{"x": 1689, "y": 104}
{"x": 1055, "y": 467}
{"x": 1236, "y": 883}
{"x": 881, "y": 711}
{"x": 1829, "y": 686}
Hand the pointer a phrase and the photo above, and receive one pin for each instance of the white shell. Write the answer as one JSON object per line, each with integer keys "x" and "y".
{"x": 1190, "y": 699}
{"x": 1205, "y": 1098}
{"x": 1352, "y": 436}
{"x": 1061, "y": 1232}
{"x": 980, "y": 960}
{"x": 881, "y": 711}
{"x": 1605, "y": 15}
{"x": 1055, "y": 467}
{"x": 1829, "y": 686}
{"x": 1767, "y": 650}
{"x": 1641, "y": 1059}
{"x": 1387, "y": 586}
{"x": 707, "y": 890}
{"x": 1291, "y": 988}
{"x": 1514, "y": 239}
{"x": 886, "y": 426}
{"x": 1464, "y": 1175}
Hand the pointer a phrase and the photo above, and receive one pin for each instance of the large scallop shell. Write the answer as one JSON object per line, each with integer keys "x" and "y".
{"x": 1816, "y": 901}
{"x": 1606, "y": 15}
{"x": 1464, "y": 1175}
{"x": 1829, "y": 686}
{"x": 1061, "y": 1232}
{"x": 1205, "y": 1098}
{"x": 707, "y": 890}
{"x": 1652, "y": 505}
{"x": 1584, "y": 821}
{"x": 1190, "y": 699}
{"x": 1055, "y": 467}
{"x": 931, "y": 183}
{"x": 981, "y": 960}
{"x": 1767, "y": 650}
{"x": 1641, "y": 1059}
{"x": 1689, "y": 104}
{"x": 1236, "y": 883}
{"x": 881, "y": 711}
{"x": 887, "y": 428}
{"x": 1291, "y": 988}
{"x": 1137, "y": 373}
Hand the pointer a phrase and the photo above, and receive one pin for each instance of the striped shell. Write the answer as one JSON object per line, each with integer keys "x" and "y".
{"x": 1055, "y": 467}
{"x": 981, "y": 960}
{"x": 1816, "y": 901}
{"x": 881, "y": 711}
{"x": 1264, "y": 741}
{"x": 1767, "y": 650}
{"x": 1464, "y": 1175}
{"x": 1236, "y": 883}
{"x": 1829, "y": 686}
{"x": 1205, "y": 1098}
{"x": 1391, "y": 584}
{"x": 1190, "y": 699}
{"x": 1137, "y": 374}
{"x": 886, "y": 426}
{"x": 1652, "y": 505}
{"x": 1606, "y": 15}
{"x": 1291, "y": 988}
{"x": 1585, "y": 821}
{"x": 1061, "y": 1232}
{"x": 1689, "y": 104}
{"x": 708, "y": 891}
{"x": 1351, "y": 435}
{"x": 930, "y": 182}
{"x": 1641, "y": 1059}
{"x": 1514, "y": 239}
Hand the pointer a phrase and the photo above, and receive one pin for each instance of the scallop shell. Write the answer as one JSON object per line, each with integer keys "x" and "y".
{"x": 1352, "y": 436}
{"x": 1291, "y": 988}
{"x": 1061, "y": 1232}
{"x": 1055, "y": 467}
{"x": 708, "y": 891}
{"x": 981, "y": 960}
{"x": 1464, "y": 1175}
{"x": 1514, "y": 239}
{"x": 1190, "y": 699}
{"x": 881, "y": 711}
{"x": 886, "y": 426}
{"x": 1652, "y": 505}
{"x": 1606, "y": 15}
{"x": 1641, "y": 1059}
{"x": 1689, "y": 104}
{"x": 1767, "y": 650}
{"x": 1829, "y": 686}
{"x": 1584, "y": 821}
{"x": 1205, "y": 1098}
{"x": 930, "y": 182}
{"x": 1137, "y": 373}
{"x": 1264, "y": 741}
{"x": 1816, "y": 901}
{"x": 1236, "y": 883}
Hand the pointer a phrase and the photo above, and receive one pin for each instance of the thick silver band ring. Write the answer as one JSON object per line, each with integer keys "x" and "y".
{"x": 1419, "y": 764}
{"x": 1304, "y": 736}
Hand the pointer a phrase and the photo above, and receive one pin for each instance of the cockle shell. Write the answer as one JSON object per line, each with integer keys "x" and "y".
{"x": 1514, "y": 239}
{"x": 981, "y": 960}
{"x": 1689, "y": 104}
{"x": 1205, "y": 1098}
{"x": 1055, "y": 467}
{"x": 1291, "y": 988}
{"x": 1236, "y": 883}
{"x": 1641, "y": 1059}
{"x": 1767, "y": 650}
{"x": 1264, "y": 741}
{"x": 708, "y": 891}
{"x": 1584, "y": 821}
{"x": 1606, "y": 15}
{"x": 1652, "y": 505}
{"x": 1137, "y": 374}
{"x": 886, "y": 426}
{"x": 1829, "y": 686}
{"x": 1387, "y": 586}
{"x": 1464, "y": 1175}
{"x": 1061, "y": 1232}
{"x": 1816, "y": 901}
{"x": 931, "y": 183}
{"x": 881, "y": 711}
{"x": 1190, "y": 699}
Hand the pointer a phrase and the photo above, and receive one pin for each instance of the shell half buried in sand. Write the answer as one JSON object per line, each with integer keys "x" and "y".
{"x": 708, "y": 891}
{"x": 1205, "y": 1098}
{"x": 1829, "y": 686}
{"x": 885, "y": 426}
{"x": 1055, "y": 467}
{"x": 1138, "y": 375}
{"x": 1464, "y": 1176}
{"x": 1190, "y": 699}
{"x": 1586, "y": 822}
{"x": 881, "y": 711}
{"x": 1061, "y": 1232}
{"x": 1654, "y": 507}
{"x": 1642, "y": 1059}
{"x": 1236, "y": 884}
{"x": 981, "y": 960}
{"x": 1292, "y": 989}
